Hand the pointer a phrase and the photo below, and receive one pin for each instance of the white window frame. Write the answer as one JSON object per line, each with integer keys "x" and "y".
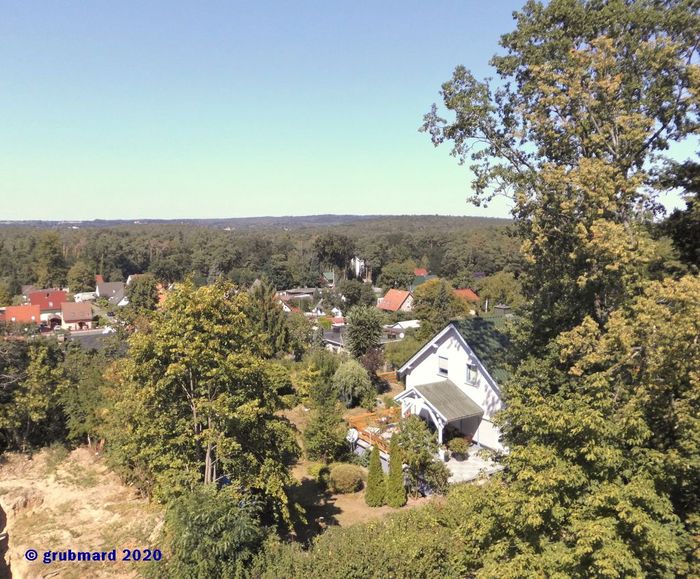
{"x": 443, "y": 370}
{"x": 472, "y": 373}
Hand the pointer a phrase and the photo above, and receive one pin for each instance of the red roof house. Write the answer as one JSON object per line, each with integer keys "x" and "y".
{"x": 396, "y": 300}
{"x": 467, "y": 294}
{"x": 22, "y": 314}
{"x": 48, "y": 300}
{"x": 420, "y": 272}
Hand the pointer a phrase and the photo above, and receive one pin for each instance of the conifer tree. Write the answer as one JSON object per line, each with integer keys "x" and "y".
{"x": 375, "y": 493}
{"x": 395, "y": 488}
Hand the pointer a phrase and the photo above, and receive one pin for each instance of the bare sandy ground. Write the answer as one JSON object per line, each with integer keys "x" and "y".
{"x": 58, "y": 501}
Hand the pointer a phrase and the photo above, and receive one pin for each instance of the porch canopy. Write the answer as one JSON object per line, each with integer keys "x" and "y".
{"x": 443, "y": 402}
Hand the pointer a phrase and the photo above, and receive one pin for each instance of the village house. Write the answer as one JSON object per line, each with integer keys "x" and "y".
{"x": 113, "y": 291}
{"x": 398, "y": 330}
{"x": 49, "y": 302}
{"x": 469, "y": 297}
{"x": 453, "y": 381}
{"x": 396, "y": 300}
{"x": 24, "y": 314}
{"x": 77, "y": 316}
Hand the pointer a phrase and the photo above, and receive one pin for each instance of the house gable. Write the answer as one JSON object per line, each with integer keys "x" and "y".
{"x": 448, "y": 356}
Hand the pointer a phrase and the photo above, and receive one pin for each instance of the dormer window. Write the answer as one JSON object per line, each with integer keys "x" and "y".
{"x": 442, "y": 366}
{"x": 472, "y": 374}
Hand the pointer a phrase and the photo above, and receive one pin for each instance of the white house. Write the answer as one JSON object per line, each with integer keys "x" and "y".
{"x": 452, "y": 381}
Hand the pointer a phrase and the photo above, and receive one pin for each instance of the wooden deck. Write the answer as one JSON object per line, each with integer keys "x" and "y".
{"x": 371, "y": 426}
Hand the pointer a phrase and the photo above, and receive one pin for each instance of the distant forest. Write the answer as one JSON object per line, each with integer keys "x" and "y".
{"x": 287, "y": 250}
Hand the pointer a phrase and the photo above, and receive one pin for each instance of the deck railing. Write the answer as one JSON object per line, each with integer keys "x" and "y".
{"x": 379, "y": 420}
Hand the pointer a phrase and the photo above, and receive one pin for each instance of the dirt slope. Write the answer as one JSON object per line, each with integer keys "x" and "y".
{"x": 59, "y": 501}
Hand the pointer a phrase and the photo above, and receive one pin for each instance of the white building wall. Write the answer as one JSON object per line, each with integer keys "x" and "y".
{"x": 425, "y": 370}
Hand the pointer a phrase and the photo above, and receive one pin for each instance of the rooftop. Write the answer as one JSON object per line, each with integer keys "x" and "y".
{"x": 393, "y": 300}
{"x": 449, "y": 400}
{"x": 488, "y": 342}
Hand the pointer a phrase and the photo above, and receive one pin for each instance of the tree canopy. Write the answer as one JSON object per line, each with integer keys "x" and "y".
{"x": 199, "y": 402}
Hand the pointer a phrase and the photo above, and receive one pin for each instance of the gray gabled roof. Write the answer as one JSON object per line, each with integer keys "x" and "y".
{"x": 449, "y": 400}
{"x": 488, "y": 343}
{"x": 486, "y": 340}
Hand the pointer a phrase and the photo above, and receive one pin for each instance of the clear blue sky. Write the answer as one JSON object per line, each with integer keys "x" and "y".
{"x": 173, "y": 109}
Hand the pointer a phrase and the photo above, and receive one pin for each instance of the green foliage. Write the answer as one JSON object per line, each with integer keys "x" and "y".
{"x": 210, "y": 533}
{"x": 334, "y": 250}
{"x": 81, "y": 277}
{"x": 574, "y": 74}
{"x": 32, "y": 378}
{"x": 300, "y": 334}
{"x": 268, "y": 316}
{"x": 397, "y": 275}
{"x": 435, "y": 304}
{"x": 324, "y": 436}
{"x": 193, "y": 402}
{"x": 82, "y": 399}
{"x": 590, "y": 94}
{"x": 395, "y": 487}
{"x": 142, "y": 293}
{"x": 500, "y": 288}
{"x": 683, "y": 226}
{"x": 376, "y": 487}
{"x": 356, "y": 293}
{"x": 345, "y": 478}
{"x": 353, "y": 386}
{"x": 459, "y": 447}
{"x": 49, "y": 266}
{"x": 399, "y": 351}
{"x": 320, "y": 472}
{"x": 364, "y": 330}
{"x": 418, "y": 447}
{"x": 5, "y": 293}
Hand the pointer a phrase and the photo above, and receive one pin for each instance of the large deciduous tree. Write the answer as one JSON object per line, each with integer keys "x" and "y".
{"x": 81, "y": 277}
{"x": 591, "y": 92}
{"x": 353, "y": 385}
{"x": 435, "y": 304}
{"x": 195, "y": 402}
{"x": 142, "y": 293}
{"x": 50, "y": 265}
{"x": 334, "y": 250}
{"x": 364, "y": 329}
{"x": 268, "y": 316}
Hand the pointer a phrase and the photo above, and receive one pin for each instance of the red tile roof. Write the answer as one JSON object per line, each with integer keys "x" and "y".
{"x": 420, "y": 272}
{"x": 467, "y": 294}
{"x": 76, "y": 312}
{"x": 393, "y": 300}
{"x": 48, "y": 300}
{"x": 22, "y": 314}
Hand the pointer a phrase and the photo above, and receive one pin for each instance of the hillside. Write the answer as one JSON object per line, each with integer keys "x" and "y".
{"x": 56, "y": 501}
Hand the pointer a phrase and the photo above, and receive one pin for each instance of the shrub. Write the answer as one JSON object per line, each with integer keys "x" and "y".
{"x": 346, "y": 478}
{"x": 353, "y": 385}
{"x": 395, "y": 487}
{"x": 459, "y": 447}
{"x": 320, "y": 473}
{"x": 211, "y": 533}
{"x": 361, "y": 459}
{"x": 376, "y": 487}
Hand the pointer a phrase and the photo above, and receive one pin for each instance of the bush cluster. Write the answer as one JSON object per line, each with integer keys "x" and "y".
{"x": 345, "y": 478}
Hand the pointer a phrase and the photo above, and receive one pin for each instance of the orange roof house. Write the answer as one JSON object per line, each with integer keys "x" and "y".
{"x": 396, "y": 300}
{"x": 420, "y": 272}
{"x": 48, "y": 300}
{"x": 26, "y": 314}
{"x": 467, "y": 294}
